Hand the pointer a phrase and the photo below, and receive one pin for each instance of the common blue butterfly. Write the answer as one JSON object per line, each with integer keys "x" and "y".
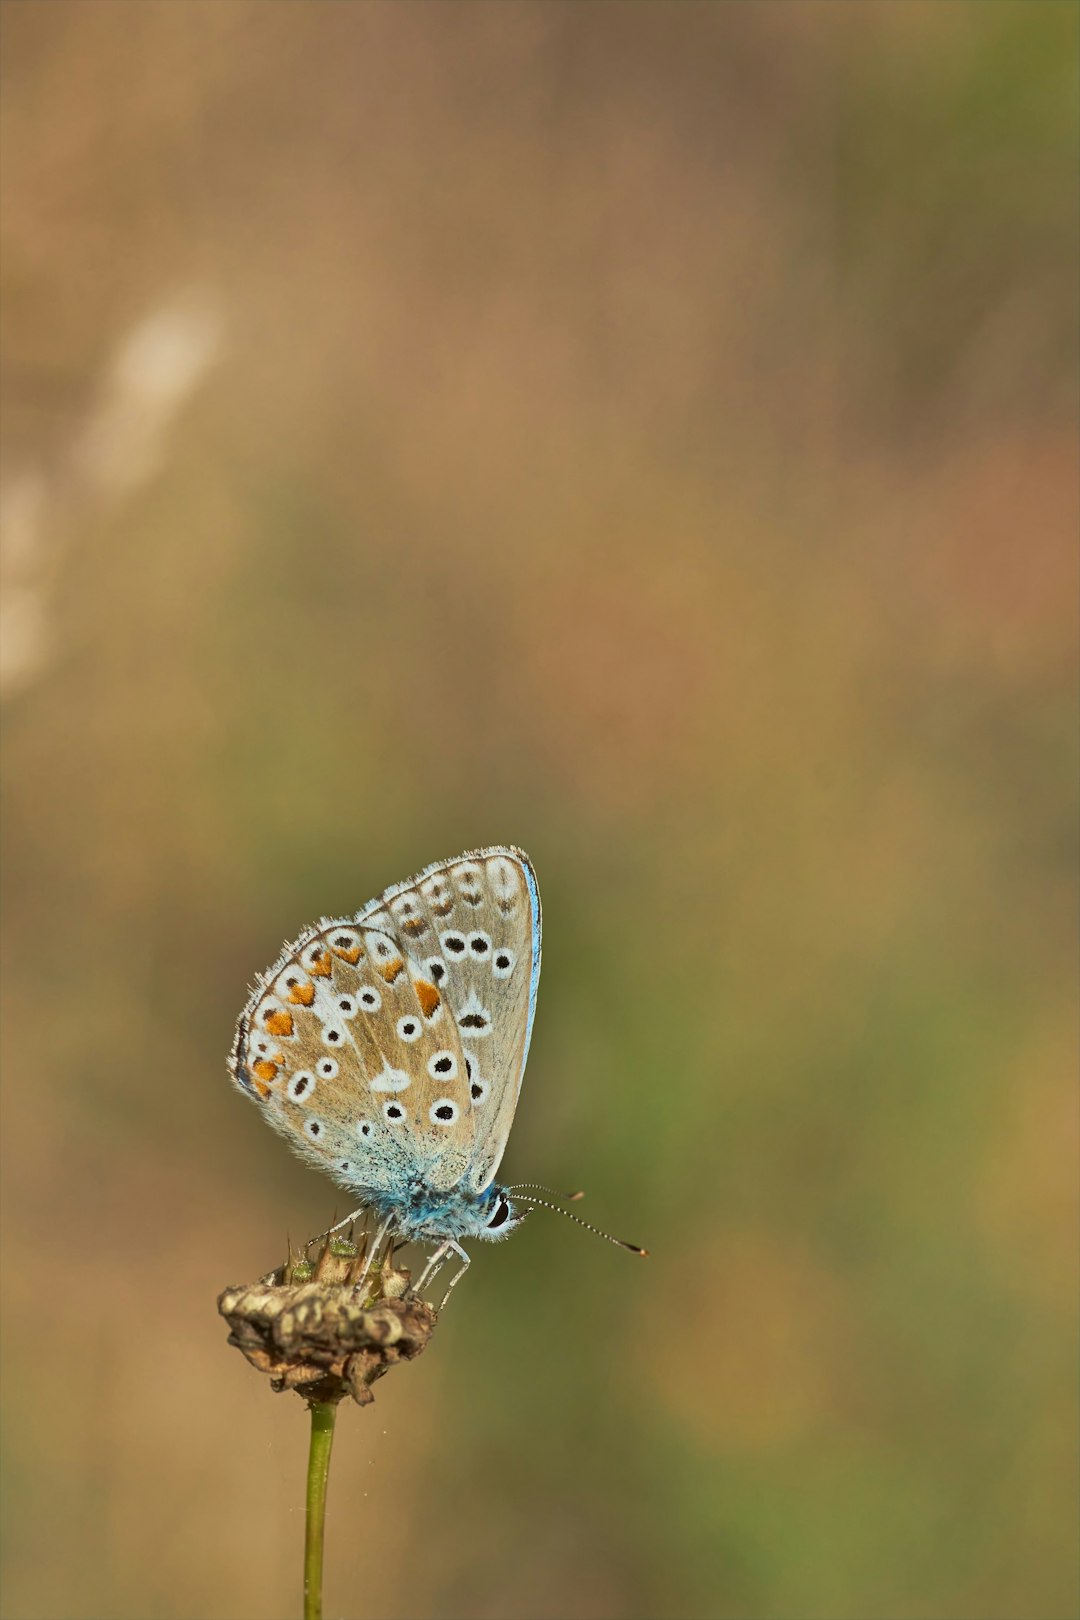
{"x": 389, "y": 1047}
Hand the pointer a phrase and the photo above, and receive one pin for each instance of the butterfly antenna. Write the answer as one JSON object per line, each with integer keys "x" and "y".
{"x": 621, "y": 1243}
{"x": 571, "y": 1198}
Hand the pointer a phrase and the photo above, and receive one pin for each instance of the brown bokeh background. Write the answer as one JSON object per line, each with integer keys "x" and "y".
{"x": 646, "y": 434}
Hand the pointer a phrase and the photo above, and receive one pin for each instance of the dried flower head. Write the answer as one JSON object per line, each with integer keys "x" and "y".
{"x": 309, "y": 1326}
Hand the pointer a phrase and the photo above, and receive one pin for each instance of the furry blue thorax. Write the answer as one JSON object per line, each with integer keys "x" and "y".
{"x": 424, "y": 1215}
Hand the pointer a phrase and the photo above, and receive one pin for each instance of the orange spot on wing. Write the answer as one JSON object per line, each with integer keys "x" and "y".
{"x": 302, "y": 994}
{"x": 427, "y": 995}
{"x": 390, "y": 970}
{"x": 279, "y": 1023}
{"x": 348, "y": 953}
{"x": 264, "y": 1070}
{"x": 320, "y": 968}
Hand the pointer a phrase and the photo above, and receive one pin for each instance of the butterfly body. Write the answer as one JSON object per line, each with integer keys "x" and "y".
{"x": 388, "y": 1047}
{"x": 423, "y": 1216}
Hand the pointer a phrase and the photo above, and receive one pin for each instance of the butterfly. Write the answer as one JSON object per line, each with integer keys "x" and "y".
{"x": 389, "y": 1047}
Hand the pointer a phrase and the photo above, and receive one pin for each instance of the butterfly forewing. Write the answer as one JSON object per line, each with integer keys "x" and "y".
{"x": 389, "y": 1047}
{"x": 475, "y": 924}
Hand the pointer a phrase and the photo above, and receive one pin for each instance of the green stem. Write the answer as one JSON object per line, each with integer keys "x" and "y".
{"x": 323, "y": 1414}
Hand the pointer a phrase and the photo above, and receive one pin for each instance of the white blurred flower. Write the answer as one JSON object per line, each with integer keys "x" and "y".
{"x": 157, "y": 367}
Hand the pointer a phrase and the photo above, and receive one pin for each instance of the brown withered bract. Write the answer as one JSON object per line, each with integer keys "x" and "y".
{"x": 307, "y": 1328}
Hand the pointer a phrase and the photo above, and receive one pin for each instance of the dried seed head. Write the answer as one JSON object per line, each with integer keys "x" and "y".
{"x": 307, "y": 1328}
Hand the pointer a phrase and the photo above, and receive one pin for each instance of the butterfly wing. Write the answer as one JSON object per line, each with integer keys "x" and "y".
{"x": 388, "y": 1048}
{"x": 474, "y": 924}
{"x": 350, "y": 1049}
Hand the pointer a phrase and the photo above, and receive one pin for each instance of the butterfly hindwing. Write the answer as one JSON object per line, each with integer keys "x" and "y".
{"x": 349, "y": 1047}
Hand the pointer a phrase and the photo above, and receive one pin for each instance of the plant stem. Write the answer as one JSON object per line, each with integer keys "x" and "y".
{"x": 323, "y": 1414}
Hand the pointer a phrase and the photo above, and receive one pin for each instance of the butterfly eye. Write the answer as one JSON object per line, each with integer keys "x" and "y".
{"x": 499, "y": 1215}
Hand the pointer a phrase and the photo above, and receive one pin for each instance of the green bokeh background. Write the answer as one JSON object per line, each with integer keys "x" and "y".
{"x": 646, "y": 434}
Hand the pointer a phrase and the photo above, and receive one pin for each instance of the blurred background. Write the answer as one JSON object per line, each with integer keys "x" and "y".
{"x": 646, "y": 434}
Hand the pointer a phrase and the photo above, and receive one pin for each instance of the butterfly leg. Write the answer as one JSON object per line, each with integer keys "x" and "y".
{"x": 376, "y": 1245}
{"x": 330, "y": 1230}
{"x": 436, "y": 1263}
{"x": 456, "y": 1278}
